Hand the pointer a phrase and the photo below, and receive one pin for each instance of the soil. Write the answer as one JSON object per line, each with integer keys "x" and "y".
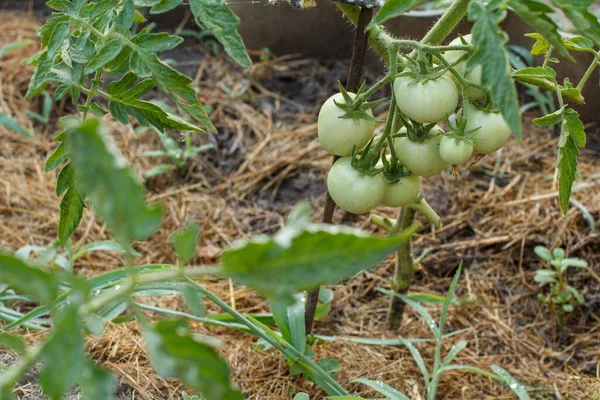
{"x": 266, "y": 158}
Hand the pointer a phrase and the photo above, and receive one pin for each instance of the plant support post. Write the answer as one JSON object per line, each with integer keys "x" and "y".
{"x": 359, "y": 50}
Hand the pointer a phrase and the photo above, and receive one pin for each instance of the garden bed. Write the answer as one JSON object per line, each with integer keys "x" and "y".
{"x": 266, "y": 158}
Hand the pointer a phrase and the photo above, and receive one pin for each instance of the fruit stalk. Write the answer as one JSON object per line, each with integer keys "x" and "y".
{"x": 359, "y": 50}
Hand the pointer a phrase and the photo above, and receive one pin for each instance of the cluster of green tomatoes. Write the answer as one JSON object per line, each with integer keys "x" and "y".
{"x": 387, "y": 171}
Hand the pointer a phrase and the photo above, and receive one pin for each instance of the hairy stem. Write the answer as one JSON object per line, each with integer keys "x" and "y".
{"x": 403, "y": 272}
{"x": 352, "y": 85}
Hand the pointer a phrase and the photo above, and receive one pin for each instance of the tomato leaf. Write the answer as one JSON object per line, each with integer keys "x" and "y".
{"x": 392, "y": 9}
{"x": 223, "y": 24}
{"x": 156, "y": 42}
{"x": 107, "y": 53}
{"x": 551, "y": 119}
{"x": 124, "y": 101}
{"x": 175, "y": 353}
{"x": 32, "y": 281}
{"x": 63, "y": 356}
{"x": 162, "y": 6}
{"x": 489, "y": 41}
{"x": 579, "y": 43}
{"x": 301, "y": 256}
{"x": 109, "y": 183}
{"x": 537, "y": 16}
{"x": 71, "y": 212}
{"x": 185, "y": 243}
{"x": 582, "y": 20}
{"x": 172, "y": 82}
{"x": 98, "y": 383}
{"x": 572, "y": 136}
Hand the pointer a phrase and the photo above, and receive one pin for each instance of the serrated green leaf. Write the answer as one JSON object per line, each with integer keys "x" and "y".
{"x": 537, "y": 15}
{"x": 185, "y": 243}
{"x": 63, "y": 356}
{"x": 392, "y": 9}
{"x": 107, "y": 53}
{"x": 56, "y": 158}
{"x": 98, "y": 383}
{"x": 13, "y": 125}
{"x": 59, "y": 5}
{"x": 300, "y": 259}
{"x": 32, "y": 281}
{"x": 163, "y": 6}
{"x": 71, "y": 212}
{"x": 581, "y": 18}
{"x": 567, "y": 171}
{"x": 121, "y": 61}
{"x": 126, "y": 16}
{"x": 574, "y": 127}
{"x": 172, "y": 82}
{"x": 551, "y": 119}
{"x": 222, "y": 23}
{"x": 59, "y": 34}
{"x": 81, "y": 48}
{"x": 124, "y": 96}
{"x": 489, "y": 41}
{"x": 111, "y": 186}
{"x": 45, "y": 32}
{"x": 174, "y": 353}
{"x": 579, "y": 43}
{"x": 157, "y": 42}
{"x": 65, "y": 179}
{"x": 92, "y": 10}
{"x": 39, "y": 79}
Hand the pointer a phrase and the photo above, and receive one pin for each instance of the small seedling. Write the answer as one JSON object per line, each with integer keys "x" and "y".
{"x": 562, "y": 298}
{"x": 178, "y": 157}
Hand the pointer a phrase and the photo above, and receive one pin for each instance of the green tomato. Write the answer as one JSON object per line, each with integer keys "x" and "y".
{"x": 428, "y": 101}
{"x": 474, "y": 74}
{"x": 492, "y": 132}
{"x": 339, "y": 136}
{"x": 403, "y": 192}
{"x": 353, "y": 191}
{"x": 422, "y": 158}
{"x": 455, "y": 152}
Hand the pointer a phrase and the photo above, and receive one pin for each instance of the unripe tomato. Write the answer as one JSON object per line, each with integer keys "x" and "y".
{"x": 422, "y": 158}
{"x": 403, "y": 192}
{"x": 339, "y": 136}
{"x": 352, "y": 191}
{"x": 493, "y": 132}
{"x": 428, "y": 101}
{"x": 474, "y": 74}
{"x": 455, "y": 152}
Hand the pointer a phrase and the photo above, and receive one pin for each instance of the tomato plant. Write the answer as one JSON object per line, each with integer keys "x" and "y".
{"x": 85, "y": 42}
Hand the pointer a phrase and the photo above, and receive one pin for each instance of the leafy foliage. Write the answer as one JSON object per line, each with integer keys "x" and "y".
{"x": 489, "y": 41}
{"x": 104, "y": 177}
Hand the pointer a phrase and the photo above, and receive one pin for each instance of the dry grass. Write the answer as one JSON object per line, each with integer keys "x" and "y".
{"x": 266, "y": 159}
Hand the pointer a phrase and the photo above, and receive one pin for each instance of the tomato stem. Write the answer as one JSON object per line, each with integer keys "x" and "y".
{"x": 359, "y": 50}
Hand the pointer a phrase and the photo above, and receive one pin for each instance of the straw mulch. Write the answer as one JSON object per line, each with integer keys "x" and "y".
{"x": 266, "y": 158}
